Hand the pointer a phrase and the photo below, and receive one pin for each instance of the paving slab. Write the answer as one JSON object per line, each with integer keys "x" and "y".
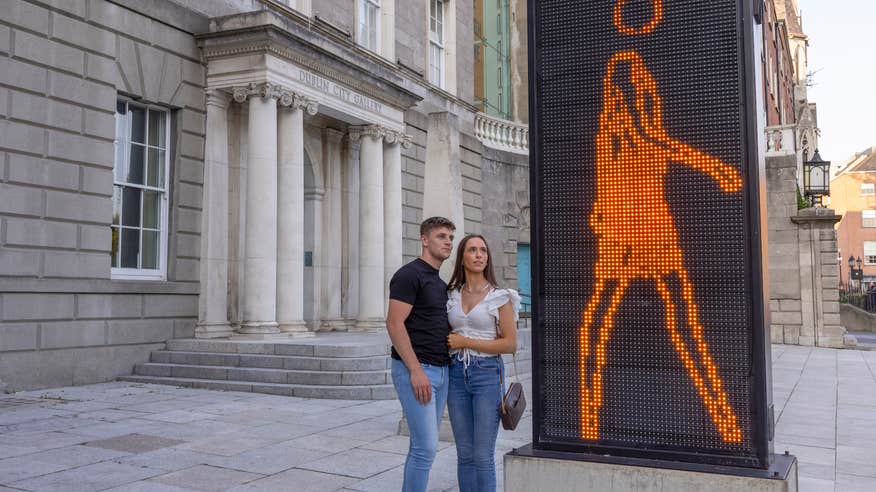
{"x": 268, "y": 460}
{"x": 23, "y": 467}
{"x": 228, "y": 444}
{"x": 78, "y": 455}
{"x": 308, "y": 480}
{"x": 206, "y": 478}
{"x": 167, "y": 459}
{"x": 322, "y": 442}
{"x": 359, "y": 463}
{"x": 99, "y": 476}
{"x": 135, "y": 443}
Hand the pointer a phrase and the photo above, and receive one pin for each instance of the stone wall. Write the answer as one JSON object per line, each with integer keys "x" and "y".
{"x": 506, "y": 210}
{"x": 804, "y": 307}
{"x": 62, "y": 67}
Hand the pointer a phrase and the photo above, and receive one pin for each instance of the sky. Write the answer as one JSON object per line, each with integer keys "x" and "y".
{"x": 841, "y": 53}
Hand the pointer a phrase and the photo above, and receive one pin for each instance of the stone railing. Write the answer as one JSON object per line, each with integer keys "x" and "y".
{"x": 502, "y": 134}
{"x": 781, "y": 140}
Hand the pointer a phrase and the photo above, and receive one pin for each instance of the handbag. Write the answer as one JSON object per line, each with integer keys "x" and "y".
{"x": 514, "y": 401}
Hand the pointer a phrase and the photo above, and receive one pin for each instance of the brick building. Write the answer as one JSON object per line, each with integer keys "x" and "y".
{"x": 246, "y": 168}
{"x": 853, "y": 197}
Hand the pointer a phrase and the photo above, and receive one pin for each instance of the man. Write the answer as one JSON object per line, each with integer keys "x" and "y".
{"x": 418, "y": 327}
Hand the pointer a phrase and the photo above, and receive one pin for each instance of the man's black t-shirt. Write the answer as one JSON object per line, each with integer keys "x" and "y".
{"x": 419, "y": 285}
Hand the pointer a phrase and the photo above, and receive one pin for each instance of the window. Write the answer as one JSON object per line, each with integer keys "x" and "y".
{"x": 436, "y": 42}
{"x": 870, "y": 252}
{"x": 867, "y": 189}
{"x": 139, "y": 227}
{"x": 868, "y": 218}
{"x": 369, "y": 26}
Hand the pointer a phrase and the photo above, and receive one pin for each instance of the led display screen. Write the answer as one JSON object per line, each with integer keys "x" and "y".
{"x": 646, "y": 275}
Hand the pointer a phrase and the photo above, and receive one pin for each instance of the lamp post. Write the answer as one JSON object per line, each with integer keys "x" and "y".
{"x": 816, "y": 178}
{"x": 851, "y": 273}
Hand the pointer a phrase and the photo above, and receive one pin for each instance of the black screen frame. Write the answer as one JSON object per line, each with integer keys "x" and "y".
{"x": 754, "y": 188}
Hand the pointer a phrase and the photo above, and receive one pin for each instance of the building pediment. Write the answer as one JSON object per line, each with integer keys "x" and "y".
{"x": 268, "y": 47}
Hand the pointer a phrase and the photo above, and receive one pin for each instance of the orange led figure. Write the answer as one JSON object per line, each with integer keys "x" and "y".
{"x": 633, "y": 153}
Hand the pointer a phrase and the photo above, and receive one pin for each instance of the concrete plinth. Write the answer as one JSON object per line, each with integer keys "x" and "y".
{"x": 526, "y": 470}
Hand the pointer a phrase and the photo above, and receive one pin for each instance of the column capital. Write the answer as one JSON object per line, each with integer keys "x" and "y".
{"x": 217, "y": 97}
{"x": 393, "y": 137}
{"x": 376, "y": 132}
{"x": 263, "y": 89}
{"x": 292, "y": 100}
{"x": 332, "y": 135}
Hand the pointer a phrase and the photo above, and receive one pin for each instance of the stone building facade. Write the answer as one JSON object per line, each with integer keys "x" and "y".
{"x": 243, "y": 168}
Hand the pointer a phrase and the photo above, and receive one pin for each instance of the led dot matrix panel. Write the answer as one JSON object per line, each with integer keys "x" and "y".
{"x": 648, "y": 286}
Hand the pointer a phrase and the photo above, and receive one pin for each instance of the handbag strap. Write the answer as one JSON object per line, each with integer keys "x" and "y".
{"x": 502, "y": 379}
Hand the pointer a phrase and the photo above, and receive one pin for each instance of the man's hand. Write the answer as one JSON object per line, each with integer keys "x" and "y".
{"x": 422, "y": 386}
{"x": 456, "y": 341}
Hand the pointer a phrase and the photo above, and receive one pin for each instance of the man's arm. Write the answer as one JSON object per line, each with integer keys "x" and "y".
{"x": 395, "y": 324}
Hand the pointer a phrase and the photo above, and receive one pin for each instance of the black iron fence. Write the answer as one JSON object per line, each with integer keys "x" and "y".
{"x": 865, "y": 300}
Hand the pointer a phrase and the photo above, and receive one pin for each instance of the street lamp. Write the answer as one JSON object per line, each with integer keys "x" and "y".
{"x": 816, "y": 178}
{"x": 851, "y": 273}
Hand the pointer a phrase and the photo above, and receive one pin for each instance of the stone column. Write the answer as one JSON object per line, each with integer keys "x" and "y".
{"x": 259, "y": 318}
{"x": 213, "y": 299}
{"x": 372, "y": 313}
{"x": 392, "y": 205}
{"x": 290, "y": 214}
{"x": 332, "y": 233}
{"x": 350, "y": 250}
{"x": 442, "y": 193}
{"x": 821, "y": 325}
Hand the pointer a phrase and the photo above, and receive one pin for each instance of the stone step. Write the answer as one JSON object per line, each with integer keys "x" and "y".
{"x": 300, "y": 347}
{"x": 370, "y": 363}
{"x": 373, "y": 392}
{"x": 262, "y": 375}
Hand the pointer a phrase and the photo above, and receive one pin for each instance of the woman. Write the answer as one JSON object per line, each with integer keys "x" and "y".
{"x": 483, "y": 321}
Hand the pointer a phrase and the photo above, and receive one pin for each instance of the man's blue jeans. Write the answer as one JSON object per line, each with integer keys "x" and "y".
{"x": 423, "y": 421}
{"x": 473, "y": 404}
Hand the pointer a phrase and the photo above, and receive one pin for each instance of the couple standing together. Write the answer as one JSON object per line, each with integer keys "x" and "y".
{"x": 446, "y": 346}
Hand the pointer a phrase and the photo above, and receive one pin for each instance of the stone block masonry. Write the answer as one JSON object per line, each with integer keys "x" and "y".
{"x": 63, "y": 65}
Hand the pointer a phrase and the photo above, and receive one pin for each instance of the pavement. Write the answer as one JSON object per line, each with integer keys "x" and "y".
{"x": 138, "y": 437}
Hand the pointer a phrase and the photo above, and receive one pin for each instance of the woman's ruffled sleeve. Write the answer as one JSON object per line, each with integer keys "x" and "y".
{"x": 452, "y": 299}
{"x": 499, "y": 298}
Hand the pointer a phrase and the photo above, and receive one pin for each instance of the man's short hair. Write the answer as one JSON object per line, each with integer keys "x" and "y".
{"x": 434, "y": 222}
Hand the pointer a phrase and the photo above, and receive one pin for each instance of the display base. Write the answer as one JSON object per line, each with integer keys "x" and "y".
{"x": 527, "y": 470}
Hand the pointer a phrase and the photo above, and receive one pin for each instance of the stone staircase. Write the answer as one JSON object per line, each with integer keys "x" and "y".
{"x": 349, "y": 366}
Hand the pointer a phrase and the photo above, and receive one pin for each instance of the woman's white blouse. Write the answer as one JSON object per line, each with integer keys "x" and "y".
{"x": 482, "y": 322}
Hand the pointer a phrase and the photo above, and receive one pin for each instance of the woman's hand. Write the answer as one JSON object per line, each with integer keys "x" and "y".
{"x": 457, "y": 341}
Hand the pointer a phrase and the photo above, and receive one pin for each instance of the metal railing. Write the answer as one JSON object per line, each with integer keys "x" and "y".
{"x": 502, "y": 134}
{"x": 865, "y": 300}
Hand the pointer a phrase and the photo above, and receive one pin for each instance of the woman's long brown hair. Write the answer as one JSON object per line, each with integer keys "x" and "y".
{"x": 457, "y": 280}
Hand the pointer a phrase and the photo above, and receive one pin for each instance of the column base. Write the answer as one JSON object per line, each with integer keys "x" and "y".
{"x": 369, "y": 325}
{"x": 220, "y": 329}
{"x": 336, "y": 324}
{"x": 258, "y": 328}
{"x": 293, "y": 326}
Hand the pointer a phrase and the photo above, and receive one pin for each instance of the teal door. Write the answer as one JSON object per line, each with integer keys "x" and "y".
{"x": 524, "y": 277}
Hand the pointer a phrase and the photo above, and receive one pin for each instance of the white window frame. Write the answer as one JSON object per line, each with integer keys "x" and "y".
{"x": 868, "y": 218}
{"x": 868, "y": 189}
{"x": 364, "y": 31}
{"x": 437, "y": 41}
{"x": 120, "y": 273}
{"x": 871, "y": 258}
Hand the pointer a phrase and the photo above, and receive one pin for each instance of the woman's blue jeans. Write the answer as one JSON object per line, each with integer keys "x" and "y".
{"x": 423, "y": 421}
{"x": 473, "y": 404}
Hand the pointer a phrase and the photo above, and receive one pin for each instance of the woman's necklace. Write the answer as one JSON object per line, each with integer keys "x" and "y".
{"x": 468, "y": 289}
